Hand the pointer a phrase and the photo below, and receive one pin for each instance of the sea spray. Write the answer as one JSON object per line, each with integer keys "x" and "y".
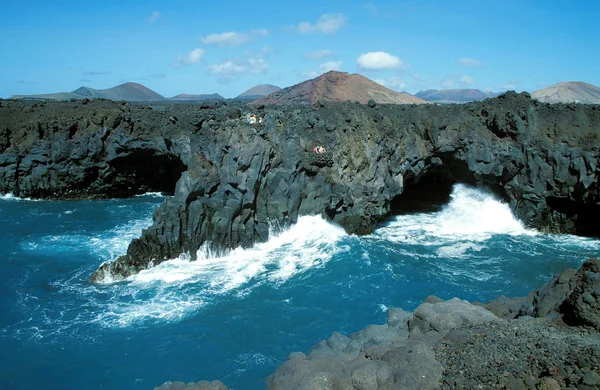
{"x": 234, "y": 318}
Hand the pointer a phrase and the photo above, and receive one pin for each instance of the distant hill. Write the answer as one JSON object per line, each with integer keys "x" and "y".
{"x": 49, "y": 96}
{"x": 338, "y": 87}
{"x": 569, "y": 92}
{"x": 257, "y": 92}
{"x": 201, "y": 97}
{"x": 454, "y": 95}
{"x": 129, "y": 91}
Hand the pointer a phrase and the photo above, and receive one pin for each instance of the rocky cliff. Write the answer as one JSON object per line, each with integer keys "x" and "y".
{"x": 233, "y": 170}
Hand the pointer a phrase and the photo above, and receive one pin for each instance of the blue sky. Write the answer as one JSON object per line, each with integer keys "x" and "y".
{"x": 198, "y": 46}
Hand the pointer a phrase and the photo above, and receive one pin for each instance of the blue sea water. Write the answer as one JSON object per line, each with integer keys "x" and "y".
{"x": 236, "y": 318}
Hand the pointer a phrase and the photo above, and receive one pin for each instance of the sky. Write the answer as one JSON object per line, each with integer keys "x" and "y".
{"x": 229, "y": 46}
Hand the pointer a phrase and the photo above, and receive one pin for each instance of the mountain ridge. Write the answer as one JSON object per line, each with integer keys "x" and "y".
{"x": 335, "y": 86}
{"x": 127, "y": 91}
{"x": 455, "y": 95}
{"x": 569, "y": 92}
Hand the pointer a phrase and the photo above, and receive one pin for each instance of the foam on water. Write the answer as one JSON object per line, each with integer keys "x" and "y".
{"x": 152, "y": 194}
{"x": 471, "y": 215}
{"x": 308, "y": 243}
{"x": 10, "y": 197}
{"x": 177, "y": 288}
{"x": 108, "y": 244}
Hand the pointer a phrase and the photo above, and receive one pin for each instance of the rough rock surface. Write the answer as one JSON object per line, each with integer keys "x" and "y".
{"x": 202, "y": 385}
{"x": 457, "y": 345}
{"x": 88, "y": 149}
{"x": 231, "y": 176}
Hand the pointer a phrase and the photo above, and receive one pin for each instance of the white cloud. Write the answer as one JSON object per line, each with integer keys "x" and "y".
{"x": 261, "y": 32}
{"x": 328, "y": 24}
{"x": 193, "y": 57}
{"x": 466, "y": 80}
{"x": 231, "y": 68}
{"x": 448, "y": 84}
{"x": 228, "y": 67}
{"x": 154, "y": 17}
{"x": 470, "y": 62}
{"x": 319, "y": 54}
{"x": 330, "y": 65}
{"x": 509, "y": 86}
{"x": 233, "y": 38}
{"x": 394, "y": 83}
{"x": 230, "y": 38}
{"x": 378, "y": 60}
{"x": 324, "y": 68}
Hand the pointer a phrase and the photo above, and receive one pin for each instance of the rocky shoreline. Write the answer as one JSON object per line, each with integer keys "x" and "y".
{"x": 546, "y": 340}
{"x": 234, "y": 169}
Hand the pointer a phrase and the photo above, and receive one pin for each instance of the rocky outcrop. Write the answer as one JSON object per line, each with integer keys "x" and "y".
{"x": 571, "y": 296}
{"x": 379, "y": 160}
{"x": 89, "y": 149}
{"x": 202, "y": 385}
{"x": 232, "y": 174}
{"x": 455, "y": 344}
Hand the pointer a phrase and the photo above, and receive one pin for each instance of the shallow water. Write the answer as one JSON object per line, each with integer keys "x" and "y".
{"x": 236, "y": 318}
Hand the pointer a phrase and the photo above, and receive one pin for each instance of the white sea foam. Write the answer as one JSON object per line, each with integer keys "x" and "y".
{"x": 472, "y": 215}
{"x": 308, "y": 243}
{"x": 178, "y": 287}
{"x": 153, "y": 194}
{"x": 9, "y": 196}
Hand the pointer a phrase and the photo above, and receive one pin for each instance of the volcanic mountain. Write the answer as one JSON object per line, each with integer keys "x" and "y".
{"x": 338, "y": 87}
{"x": 257, "y": 92}
{"x": 454, "y": 95}
{"x": 201, "y": 97}
{"x": 569, "y": 92}
{"x": 128, "y": 91}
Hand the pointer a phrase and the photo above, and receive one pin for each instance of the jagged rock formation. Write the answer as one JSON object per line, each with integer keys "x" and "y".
{"x": 234, "y": 176}
{"x": 336, "y": 86}
{"x": 88, "y": 149}
{"x": 569, "y": 92}
{"x": 455, "y": 344}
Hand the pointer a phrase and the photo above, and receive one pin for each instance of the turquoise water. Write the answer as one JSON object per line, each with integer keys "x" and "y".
{"x": 237, "y": 318}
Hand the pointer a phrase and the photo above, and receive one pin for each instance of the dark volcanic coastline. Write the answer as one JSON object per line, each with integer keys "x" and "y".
{"x": 231, "y": 175}
{"x": 233, "y": 169}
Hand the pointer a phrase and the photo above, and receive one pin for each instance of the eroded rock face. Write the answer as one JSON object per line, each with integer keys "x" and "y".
{"x": 244, "y": 176}
{"x": 231, "y": 178}
{"x": 88, "y": 149}
{"x": 455, "y": 344}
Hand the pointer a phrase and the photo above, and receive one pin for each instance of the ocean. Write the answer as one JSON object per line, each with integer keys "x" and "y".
{"x": 236, "y": 318}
